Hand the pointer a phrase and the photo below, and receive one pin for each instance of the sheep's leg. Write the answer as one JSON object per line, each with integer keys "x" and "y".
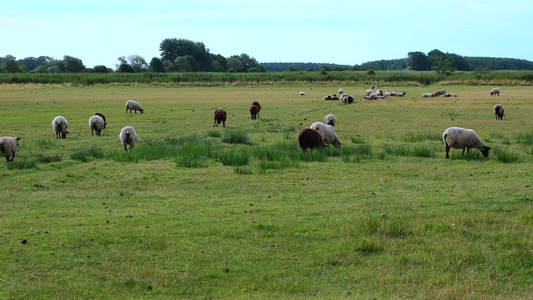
{"x": 125, "y": 147}
{"x": 448, "y": 151}
{"x": 215, "y": 124}
{"x": 7, "y": 157}
{"x": 223, "y": 123}
{"x": 13, "y": 157}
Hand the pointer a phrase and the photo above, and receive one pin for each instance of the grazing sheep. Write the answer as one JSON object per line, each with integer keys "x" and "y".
{"x": 302, "y": 93}
{"x": 439, "y": 92}
{"x": 103, "y": 117}
{"x": 8, "y": 146}
{"x": 128, "y": 136}
{"x": 258, "y": 107}
{"x": 428, "y": 95}
{"x": 328, "y": 133}
{"x": 219, "y": 116}
{"x": 347, "y": 98}
{"x": 330, "y": 120}
{"x": 96, "y": 123}
{"x": 449, "y": 95}
{"x": 498, "y": 111}
{"x": 133, "y": 105}
{"x": 460, "y": 138}
{"x": 309, "y": 138}
{"x": 368, "y": 92}
{"x": 60, "y": 125}
{"x": 329, "y": 97}
{"x": 253, "y": 111}
{"x": 495, "y": 92}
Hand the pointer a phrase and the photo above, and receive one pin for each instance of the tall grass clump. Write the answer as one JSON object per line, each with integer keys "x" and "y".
{"x": 423, "y": 151}
{"x": 22, "y": 164}
{"x": 236, "y": 136}
{"x": 48, "y": 158}
{"x": 357, "y": 139}
{"x": 472, "y": 155}
{"x": 86, "y": 154}
{"x": 214, "y": 133}
{"x": 506, "y": 156}
{"x": 397, "y": 150}
{"x": 363, "y": 149}
{"x": 524, "y": 138}
{"x": 421, "y": 137}
{"x": 234, "y": 157}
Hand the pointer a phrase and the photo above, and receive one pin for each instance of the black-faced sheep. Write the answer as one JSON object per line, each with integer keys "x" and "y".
{"x": 219, "y": 116}
{"x": 60, "y": 125}
{"x": 253, "y": 111}
{"x": 495, "y": 92}
{"x": 133, "y": 105}
{"x": 8, "y": 146}
{"x": 346, "y": 99}
{"x": 449, "y": 95}
{"x": 329, "y": 97}
{"x": 258, "y": 107}
{"x": 328, "y": 133}
{"x": 103, "y": 117}
{"x": 330, "y": 120}
{"x": 128, "y": 136}
{"x": 310, "y": 138}
{"x": 498, "y": 111}
{"x": 428, "y": 95}
{"x": 460, "y": 138}
{"x": 96, "y": 123}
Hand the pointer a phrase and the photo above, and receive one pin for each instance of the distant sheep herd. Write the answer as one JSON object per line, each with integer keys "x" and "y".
{"x": 316, "y": 136}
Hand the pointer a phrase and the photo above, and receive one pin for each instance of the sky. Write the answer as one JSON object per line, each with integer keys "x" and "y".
{"x": 347, "y": 32}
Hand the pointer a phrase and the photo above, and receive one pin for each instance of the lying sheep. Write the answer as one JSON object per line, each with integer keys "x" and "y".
{"x": 428, "y": 95}
{"x": 133, "y": 105}
{"x": 495, "y": 92}
{"x": 96, "y": 123}
{"x": 400, "y": 94}
{"x": 346, "y": 99}
{"x": 368, "y": 92}
{"x": 328, "y": 133}
{"x": 60, "y": 125}
{"x": 128, "y": 136}
{"x": 219, "y": 116}
{"x": 8, "y": 146}
{"x": 330, "y": 120}
{"x": 371, "y": 96}
{"x": 498, "y": 111}
{"x": 341, "y": 91}
{"x": 103, "y": 117}
{"x": 310, "y": 138}
{"x": 456, "y": 137}
{"x": 258, "y": 107}
{"x": 253, "y": 111}
{"x": 302, "y": 93}
{"x": 439, "y": 92}
{"x": 449, "y": 95}
{"x": 329, "y": 97}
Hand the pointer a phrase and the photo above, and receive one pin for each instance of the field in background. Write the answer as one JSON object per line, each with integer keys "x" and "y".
{"x": 240, "y": 212}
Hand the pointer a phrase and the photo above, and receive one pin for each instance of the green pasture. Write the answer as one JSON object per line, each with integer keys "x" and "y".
{"x": 203, "y": 212}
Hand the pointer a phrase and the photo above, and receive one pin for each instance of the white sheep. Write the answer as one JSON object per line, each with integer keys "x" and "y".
{"x": 498, "y": 111}
{"x": 400, "y": 94}
{"x": 428, "y": 95}
{"x": 328, "y": 133}
{"x": 330, "y": 120}
{"x": 302, "y": 93}
{"x": 449, "y": 95}
{"x": 460, "y": 138}
{"x": 60, "y": 125}
{"x": 128, "y": 136}
{"x": 8, "y": 146}
{"x": 341, "y": 91}
{"x": 439, "y": 92}
{"x": 96, "y": 123}
{"x": 368, "y": 92}
{"x": 372, "y": 96}
{"x": 495, "y": 92}
{"x": 133, "y": 105}
{"x": 347, "y": 98}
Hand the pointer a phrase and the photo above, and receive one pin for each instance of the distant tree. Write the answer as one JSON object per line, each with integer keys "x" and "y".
{"x": 173, "y": 48}
{"x": 186, "y": 63}
{"x": 101, "y": 69}
{"x": 217, "y": 67}
{"x": 418, "y": 61}
{"x": 41, "y": 69}
{"x": 443, "y": 66}
{"x": 10, "y": 64}
{"x": 137, "y": 63}
{"x": 70, "y": 64}
{"x": 234, "y": 62}
{"x": 156, "y": 65}
{"x": 458, "y": 62}
{"x": 219, "y": 64}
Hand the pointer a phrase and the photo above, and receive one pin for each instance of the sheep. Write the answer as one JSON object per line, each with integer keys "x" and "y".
{"x": 96, "y": 123}
{"x": 302, "y": 93}
{"x": 340, "y": 91}
{"x": 347, "y": 98}
{"x": 8, "y": 146}
{"x": 330, "y": 120}
{"x": 133, "y": 105}
{"x": 253, "y": 111}
{"x": 368, "y": 92}
{"x": 456, "y": 137}
{"x": 449, "y": 95}
{"x": 495, "y": 92}
{"x": 328, "y": 133}
{"x": 309, "y": 138}
{"x": 329, "y": 97}
{"x": 128, "y": 136}
{"x": 400, "y": 94}
{"x": 372, "y": 96}
{"x": 258, "y": 107}
{"x": 60, "y": 125}
{"x": 103, "y": 117}
{"x": 219, "y": 116}
{"x": 439, "y": 92}
{"x": 428, "y": 95}
{"x": 498, "y": 111}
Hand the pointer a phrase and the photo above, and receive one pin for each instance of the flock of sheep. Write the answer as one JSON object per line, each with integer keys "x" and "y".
{"x": 317, "y": 135}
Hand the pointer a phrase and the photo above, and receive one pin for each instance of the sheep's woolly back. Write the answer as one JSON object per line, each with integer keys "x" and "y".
{"x": 330, "y": 120}
{"x": 60, "y": 124}
{"x": 128, "y": 136}
{"x": 461, "y": 138}
{"x": 309, "y": 138}
{"x": 8, "y": 146}
{"x": 328, "y": 133}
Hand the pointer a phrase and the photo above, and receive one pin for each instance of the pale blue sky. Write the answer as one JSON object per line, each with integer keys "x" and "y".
{"x": 333, "y": 31}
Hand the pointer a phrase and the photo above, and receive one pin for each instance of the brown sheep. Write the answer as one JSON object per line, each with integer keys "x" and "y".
{"x": 8, "y": 146}
{"x": 103, "y": 117}
{"x": 254, "y": 110}
{"x": 258, "y": 107}
{"x": 219, "y": 116}
{"x": 310, "y": 138}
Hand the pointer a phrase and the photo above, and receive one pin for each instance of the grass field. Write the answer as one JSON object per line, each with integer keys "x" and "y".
{"x": 198, "y": 212}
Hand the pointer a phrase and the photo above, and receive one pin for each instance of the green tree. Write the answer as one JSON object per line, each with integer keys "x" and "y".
{"x": 124, "y": 66}
{"x": 101, "y": 69}
{"x": 418, "y": 61}
{"x": 137, "y": 63}
{"x": 173, "y": 48}
{"x": 235, "y": 63}
{"x": 71, "y": 65}
{"x": 186, "y": 63}
{"x": 10, "y": 64}
{"x": 443, "y": 66}
{"x": 156, "y": 65}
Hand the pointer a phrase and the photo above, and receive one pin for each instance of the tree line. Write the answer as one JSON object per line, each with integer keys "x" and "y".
{"x": 182, "y": 55}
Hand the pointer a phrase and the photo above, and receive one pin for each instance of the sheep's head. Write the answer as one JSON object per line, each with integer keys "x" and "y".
{"x": 485, "y": 151}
